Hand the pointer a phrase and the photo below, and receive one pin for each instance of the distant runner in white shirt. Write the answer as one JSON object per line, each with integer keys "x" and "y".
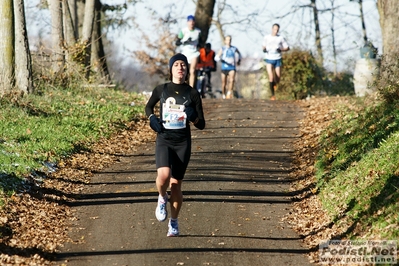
{"x": 189, "y": 39}
{"x": 273, "y": 45}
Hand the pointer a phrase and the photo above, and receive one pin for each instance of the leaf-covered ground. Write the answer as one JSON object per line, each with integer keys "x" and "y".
{"x": 34, "y": 222}
{"x": 308, "y": 217}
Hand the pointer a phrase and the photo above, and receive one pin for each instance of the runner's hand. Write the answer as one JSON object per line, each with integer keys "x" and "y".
{"x": 278, "y": 50}
{"x": 191, "y": 114}
{"x": 264, "y": 50}
{"x": 155, "y": 123}
{"x": 188, "y": 41}
{"x": 178, "y": 42}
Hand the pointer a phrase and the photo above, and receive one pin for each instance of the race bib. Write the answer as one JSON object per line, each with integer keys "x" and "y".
{"x": 173, "y": 114}
{"x": 274, "y": 50}
{"x": 229, "y": 60}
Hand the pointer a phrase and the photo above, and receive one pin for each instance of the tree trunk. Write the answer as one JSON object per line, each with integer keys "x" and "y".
{"x": 23, "y": 61}
{"x": 87, "y": 32}
{"x": 69, "y": 26}
{"x": 317, "y": 33}
{"x": 219, "y": 26}
{"x": 73, "y": 7}
{"x": 203, "y": 18}
{"x": 389, "y": 20}
{"x": 80, "y": 17}
{"x": 57, "y": 36}
{"x": 70, "y": 33}
{"x": 88, "y": 20}
{"x": 333, "y": 36}
{"x": 6, "y": 46}
{"x": 98, "y": 58}
{"x": 363, "y": 24}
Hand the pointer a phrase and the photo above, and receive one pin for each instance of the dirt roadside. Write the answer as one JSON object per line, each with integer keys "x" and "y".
{"x": 236, "y": 193}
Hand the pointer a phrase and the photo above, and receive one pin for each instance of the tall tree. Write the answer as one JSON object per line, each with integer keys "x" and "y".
{"x": 365, "y": 39}
{"x": 158, "y": 51}
{"x": 15, "y": 64}
{"x": 7, "y": 34}
{"x": 57, "y": 36}
{"x": 70, "y": 32}
{"x": 364, "y": 32}
{"x": 320, "y": 58}
{"x": 203, "y": 17}
{"x": 230, "y": 16}
{"x": 218, "y": 21}
{"x": 98, "y": 57}
{"x": 69, "y": 21}
{"x": 87, "y": 32}
{"x": 333, "y": 36}
{"x": 389, "y": 20}
{"x": 77, "y": 36}
{"x": 23, "y": 60}
{"x": 316, "y": 22}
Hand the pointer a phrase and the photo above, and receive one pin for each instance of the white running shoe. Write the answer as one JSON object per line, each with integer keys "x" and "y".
{"x": 160, "y": 212}
{"x": 173, "y": 227}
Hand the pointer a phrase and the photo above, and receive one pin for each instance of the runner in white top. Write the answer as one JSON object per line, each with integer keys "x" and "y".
{"x": 273, "y": 45}
{"x": 189, "y": 39}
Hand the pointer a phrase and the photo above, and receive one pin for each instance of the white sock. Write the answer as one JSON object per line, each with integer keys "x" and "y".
{"x": 162, "y": 199}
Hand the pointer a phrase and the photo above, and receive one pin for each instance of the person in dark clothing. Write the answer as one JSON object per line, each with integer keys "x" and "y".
{"x": 207, "y": 62}
{"x": 180, "y": 105}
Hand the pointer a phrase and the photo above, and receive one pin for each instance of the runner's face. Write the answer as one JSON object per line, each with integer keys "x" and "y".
{"x": 179, "y": 70}
{"x": 275, "y": 30}
{"x": 227, "y": 41}
{"x": 191, "y": 24}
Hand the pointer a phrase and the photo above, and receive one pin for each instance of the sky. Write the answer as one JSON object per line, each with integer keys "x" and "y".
{"x": 296, "y": 27}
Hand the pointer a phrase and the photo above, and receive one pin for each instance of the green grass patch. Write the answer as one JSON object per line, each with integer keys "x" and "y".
{"x": 48, "y": 126}
{"x": 358, "y": 169}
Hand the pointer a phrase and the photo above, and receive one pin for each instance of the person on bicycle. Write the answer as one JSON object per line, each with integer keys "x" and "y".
{"x": 188, "y": 39}
{"x": 273, "y": 44}
{"x": 230, "y": 57}
{"x": 207, "y": 63}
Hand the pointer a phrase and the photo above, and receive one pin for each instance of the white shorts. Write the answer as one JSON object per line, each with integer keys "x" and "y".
{"x": 190, "y": 54}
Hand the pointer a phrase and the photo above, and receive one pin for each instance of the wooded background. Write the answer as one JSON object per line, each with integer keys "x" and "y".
{"x": 79, "y": 45}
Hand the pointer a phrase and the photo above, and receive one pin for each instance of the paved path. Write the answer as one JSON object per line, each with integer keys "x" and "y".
{"x": 235, "y": 194}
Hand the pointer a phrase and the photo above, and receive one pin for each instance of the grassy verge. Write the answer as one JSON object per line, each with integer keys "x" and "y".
{"x": 39, "y": 129}
{"x": 357, "y": 170}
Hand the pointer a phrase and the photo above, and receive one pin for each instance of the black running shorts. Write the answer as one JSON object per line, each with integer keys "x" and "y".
{"x": 173, "y": 154}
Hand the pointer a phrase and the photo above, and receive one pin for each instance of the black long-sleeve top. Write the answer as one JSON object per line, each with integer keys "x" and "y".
{"x": 173, "y": 89}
